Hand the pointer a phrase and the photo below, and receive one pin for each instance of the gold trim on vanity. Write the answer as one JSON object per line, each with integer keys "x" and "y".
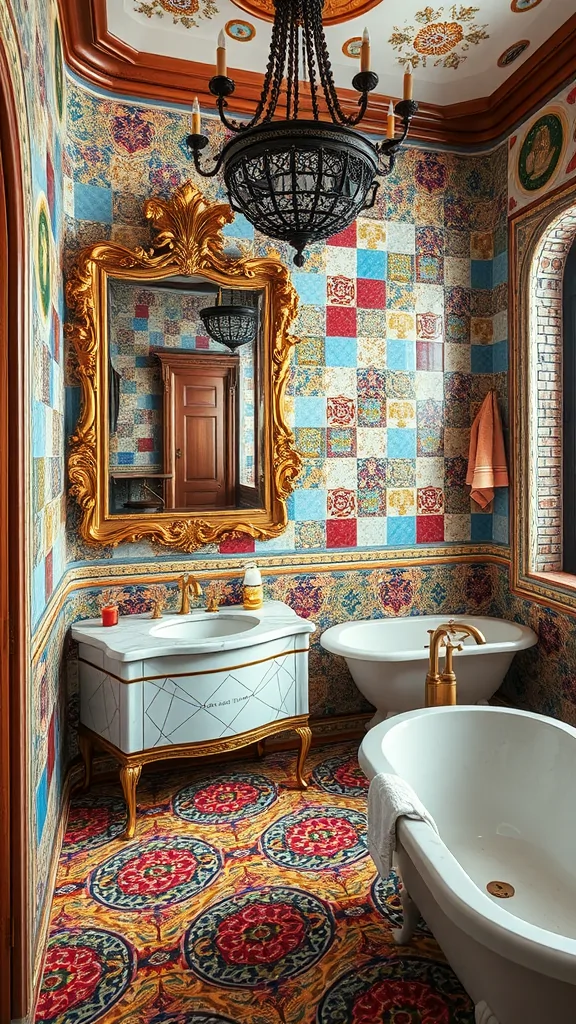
{"x": 185, "y": 675}
{"x": 131, "y": 764}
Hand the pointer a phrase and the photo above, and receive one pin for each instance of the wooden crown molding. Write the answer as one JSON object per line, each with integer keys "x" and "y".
{"x": 105, "y": 61}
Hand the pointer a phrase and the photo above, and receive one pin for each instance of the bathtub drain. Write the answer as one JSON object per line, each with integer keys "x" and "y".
{"x": 501, "y": 889}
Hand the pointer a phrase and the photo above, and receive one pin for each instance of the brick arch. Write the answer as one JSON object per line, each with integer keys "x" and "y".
{"x": 546, "y": 383}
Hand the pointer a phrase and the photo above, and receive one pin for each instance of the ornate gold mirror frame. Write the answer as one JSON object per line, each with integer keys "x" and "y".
{"x": 188, "y": 241}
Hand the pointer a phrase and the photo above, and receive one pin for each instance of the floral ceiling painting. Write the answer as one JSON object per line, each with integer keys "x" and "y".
{"x": 441, "y": 35}
{"x": 474, "y": 46}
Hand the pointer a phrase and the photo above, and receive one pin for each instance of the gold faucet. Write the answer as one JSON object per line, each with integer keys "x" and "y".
{"x": 187, "y": 582}
{"x": 441, "y": 688}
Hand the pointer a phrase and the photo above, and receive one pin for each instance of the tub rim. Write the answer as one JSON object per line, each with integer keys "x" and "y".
{"x": 332, "y": 640}
{"x": 470, "y": 909}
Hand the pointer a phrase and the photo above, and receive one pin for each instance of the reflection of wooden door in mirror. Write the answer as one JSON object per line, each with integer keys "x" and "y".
{"x": 199, "y": 429}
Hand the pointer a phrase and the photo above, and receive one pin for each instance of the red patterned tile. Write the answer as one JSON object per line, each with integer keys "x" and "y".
{"x": 370, "y": 294}
{"x": 237, "y": 545}
{"x": 341, "y": 533}
{"x": 141, "y": 311}
{"x": 429, "y": 355}
{"x": 429, "y": 529}
{"x": 340, "y": 291}
{"x": 341, "y": 504}
{"x": 340, "y": 322}
{"x": 145, "y": 444}
{"x": 341, "y": 411}
{"x": 202, "y": 342}
{"x": 430, "y": 501}
{"x": 346, "y": 237}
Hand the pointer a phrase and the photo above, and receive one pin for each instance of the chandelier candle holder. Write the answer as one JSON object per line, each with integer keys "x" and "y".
{"x": 301, "y": 179}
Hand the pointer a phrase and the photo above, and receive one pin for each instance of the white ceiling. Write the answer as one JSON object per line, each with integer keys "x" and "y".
{"x": 473, "y": 38}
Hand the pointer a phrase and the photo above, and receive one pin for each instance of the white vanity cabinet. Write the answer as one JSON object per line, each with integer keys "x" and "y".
{"x": 190, "y": 685}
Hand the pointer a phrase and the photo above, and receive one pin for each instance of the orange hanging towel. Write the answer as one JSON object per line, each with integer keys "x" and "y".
{"x": 486, "y": 458}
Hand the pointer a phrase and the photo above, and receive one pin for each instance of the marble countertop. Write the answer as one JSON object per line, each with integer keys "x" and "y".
{"x": 138, "y": 637}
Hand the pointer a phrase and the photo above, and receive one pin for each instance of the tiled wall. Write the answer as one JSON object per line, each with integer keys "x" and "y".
{"x": 402, "y": 325}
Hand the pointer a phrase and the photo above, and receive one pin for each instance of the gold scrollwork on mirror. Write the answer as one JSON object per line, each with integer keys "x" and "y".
{"x": 182, "y": 437}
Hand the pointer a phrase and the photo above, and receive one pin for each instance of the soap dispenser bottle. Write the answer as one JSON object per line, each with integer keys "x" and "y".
{"x": 252, "y": 592}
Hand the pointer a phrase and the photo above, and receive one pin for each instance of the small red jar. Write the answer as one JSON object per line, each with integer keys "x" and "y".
{"x": 110, "y": 615}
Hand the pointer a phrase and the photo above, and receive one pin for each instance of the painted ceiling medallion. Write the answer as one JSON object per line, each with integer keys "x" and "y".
{"x": 351, "y": 47}
{"x": 187, "y": 13}
{"x": 241, "y": 31}
{"x": 445, "y": 36}
{"x": 334, "y": 12}
{"x": 519, "y": 6}
{"x": 512, "y": 53}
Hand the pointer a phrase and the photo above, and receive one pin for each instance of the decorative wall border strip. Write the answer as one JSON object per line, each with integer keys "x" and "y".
{"x": 87, "y": 577}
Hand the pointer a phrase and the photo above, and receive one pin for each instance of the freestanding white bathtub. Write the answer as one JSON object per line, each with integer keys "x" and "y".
{"x": 500, "y": 786}
{"x": 388, "y": 658}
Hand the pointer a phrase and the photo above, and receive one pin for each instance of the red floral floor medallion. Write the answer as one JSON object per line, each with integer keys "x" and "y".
{"x": 259, "y": 936}
{"x": 313, "y": 840}
{"x": 225, "y": 799}
{"x": 406, "y": 990}
{"x": 155, "y": 873}
{"x": 93, "y": 821}
{"x": 85, "y": 973}
{"x": 342, "y": 775}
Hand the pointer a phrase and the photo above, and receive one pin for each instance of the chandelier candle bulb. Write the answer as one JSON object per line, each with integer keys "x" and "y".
{"x": 408, "y": 82}
{"x": 221, "y": 54}
{"x": 390, "y": 123}
{"x": 365, "y": 51}
{"x": 196, "y": 117}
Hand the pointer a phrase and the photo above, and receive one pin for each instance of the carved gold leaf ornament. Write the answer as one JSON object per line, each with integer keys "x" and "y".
{"x": 187, "y": 241}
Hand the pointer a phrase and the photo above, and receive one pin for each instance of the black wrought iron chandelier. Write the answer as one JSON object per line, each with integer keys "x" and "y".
{"x": 300, "y": 179}
{"x": 231, "y": 324}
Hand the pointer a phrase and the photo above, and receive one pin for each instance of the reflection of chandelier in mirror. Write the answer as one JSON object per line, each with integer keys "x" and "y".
{"x": 231, "y": 324}
{"x": 301, "y": 179}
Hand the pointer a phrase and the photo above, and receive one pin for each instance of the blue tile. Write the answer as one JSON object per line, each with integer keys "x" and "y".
{"x": 38, "y": 591}
{"x": 39, "y": 424}
{"x": 125, "y": 458}
{"x": 290, "y": 506}
{"x": 401, "y": 530}
{"x": 481, "y": 528}
{"x": 500, "y": 357}
{"x": 501, "y": 500}
{"x": 41, "y": 803}
{"x": 310, "y": 412}
{"x": 91, "y": 202}
{"x": 156, "y": 339}
{"x": 481, "y": 273}
{"x": 340, "y": 352}
{"x": 401, "y": 443}
{"x": 481, "y": 358}
{"x": 149, "y": 402}
{"x": 500, "y": 269}
{"x": 400, "y": 355}
{"x": 311, "y": 288}
{"x": 310, "y": 505}
{"x": 372, "y": 264}
{"x": 239, "y": 228}
{"x": 140, "y": 324}
{"x": 500, "y": 529}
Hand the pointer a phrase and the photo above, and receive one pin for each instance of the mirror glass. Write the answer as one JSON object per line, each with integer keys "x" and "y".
{"x": 184, "y": 408}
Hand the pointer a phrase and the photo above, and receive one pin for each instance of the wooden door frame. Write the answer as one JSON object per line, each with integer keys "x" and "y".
{"x": 15, "y": 977}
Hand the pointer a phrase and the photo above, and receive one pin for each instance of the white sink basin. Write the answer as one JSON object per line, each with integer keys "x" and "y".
{"x": 205, "y": 627}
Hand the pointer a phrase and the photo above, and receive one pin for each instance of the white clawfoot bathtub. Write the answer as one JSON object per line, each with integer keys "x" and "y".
{"x": 499, "y": 784}
{"x": 388, "y": 658}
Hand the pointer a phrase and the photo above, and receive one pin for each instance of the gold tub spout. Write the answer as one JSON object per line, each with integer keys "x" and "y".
{"x": 187, "y": 582}
{"x": 441, "y": 688}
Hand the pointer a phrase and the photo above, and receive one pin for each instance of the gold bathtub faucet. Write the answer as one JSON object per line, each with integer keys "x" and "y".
{"x": 441, "y": 688}
{"x": 187, "y": 582}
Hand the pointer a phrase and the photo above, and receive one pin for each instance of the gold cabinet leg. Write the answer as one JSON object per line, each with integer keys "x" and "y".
{"x": 305, "y": 735}
{"x": 86, "y": 750}
{"x": 129, "y": 776}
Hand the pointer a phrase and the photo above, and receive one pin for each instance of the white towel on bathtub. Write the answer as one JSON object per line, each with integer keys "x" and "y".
{"x": 390, "y": 798}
